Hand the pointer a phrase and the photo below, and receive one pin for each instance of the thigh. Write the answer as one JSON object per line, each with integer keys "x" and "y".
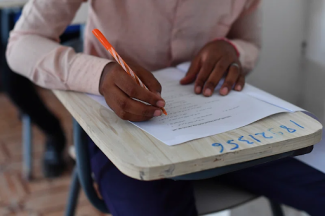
{"x": 126, "y": 196}
{"x": 287, "y": 181}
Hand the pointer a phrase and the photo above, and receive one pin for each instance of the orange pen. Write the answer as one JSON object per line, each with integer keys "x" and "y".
{"x": 119, "y": 60}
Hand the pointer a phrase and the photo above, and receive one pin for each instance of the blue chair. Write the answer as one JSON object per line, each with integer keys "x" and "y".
{"x": 27, "y": 147}
{"x": 8, "y": 19}
{"x": 210, "y": 196}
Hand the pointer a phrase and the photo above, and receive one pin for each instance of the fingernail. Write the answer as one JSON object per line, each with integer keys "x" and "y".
{"x": 198, "y": 89}
{"x": 238, "y": 88}
{"x": 157, "y": 113}
{"x": 224, "y": 91}
{"x": 207, "y": 92}
{"x": 160, "y": 103}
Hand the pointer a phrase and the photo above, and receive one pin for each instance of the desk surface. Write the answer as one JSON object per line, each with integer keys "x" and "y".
{"x": 141, "y": 156}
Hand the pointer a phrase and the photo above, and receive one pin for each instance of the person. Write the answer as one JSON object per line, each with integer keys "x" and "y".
{"x": 24, "y": 96}
{"x": 220, "y": 37}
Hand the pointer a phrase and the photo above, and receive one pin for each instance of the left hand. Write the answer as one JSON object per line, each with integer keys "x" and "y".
{"x": 214, "y": 61}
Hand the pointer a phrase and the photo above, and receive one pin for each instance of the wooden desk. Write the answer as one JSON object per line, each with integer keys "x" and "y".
{"x": 141, "y": 156}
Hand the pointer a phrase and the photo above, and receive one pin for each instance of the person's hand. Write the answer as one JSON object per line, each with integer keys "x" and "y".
{"x": 119, "y": 88}
{"x": 215, "y": 60}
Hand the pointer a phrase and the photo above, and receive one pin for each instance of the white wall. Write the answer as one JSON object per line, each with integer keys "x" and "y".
{"x": 82, "y": 14}
{"x": 279, "y": 68}
{"x": 316, "y": 32}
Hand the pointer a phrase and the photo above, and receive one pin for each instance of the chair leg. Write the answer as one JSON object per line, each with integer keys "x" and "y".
{"x": 27, "y": 147}
{"x": 73, "y": 194}
{"x": 276, "y": 208}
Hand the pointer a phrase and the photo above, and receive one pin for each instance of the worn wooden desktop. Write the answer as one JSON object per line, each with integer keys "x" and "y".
{"x": 141, "y": 156}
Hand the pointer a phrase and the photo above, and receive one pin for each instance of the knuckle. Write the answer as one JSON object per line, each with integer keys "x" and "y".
{"x": 199, "y": 81}
{"x": 209, "y": 64}
{"x": 123, "y": 104}
{"x": 229, "y": 83}
{"x": 146, "y": 112}
{"x": 221, "y": 67}
{"x": 132, "y": 92}
{"x": 236, "y": 70}
{"x": 210, "y": 84}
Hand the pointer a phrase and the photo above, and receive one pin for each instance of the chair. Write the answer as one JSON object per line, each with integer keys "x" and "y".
{"x": 27, "y": 147}
{"x": 8, "y": 19}
{"x": 210, "y": 196}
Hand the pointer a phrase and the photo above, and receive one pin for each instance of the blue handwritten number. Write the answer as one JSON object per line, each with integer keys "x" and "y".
{"x": 290, "y": 130}
{"x": 231, "y": 143}
{"x": 254, "y": 138}
{"x": 263, "y": 134}
{"x": 217, "y": 145}
{"x": 273, "y": 132}
{"x": 297, "y": 124}
{"x": 241, "y": 139}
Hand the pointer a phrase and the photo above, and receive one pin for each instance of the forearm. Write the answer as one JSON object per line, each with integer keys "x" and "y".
{"x": 54, "y": 66}
{"x": 34, "y": 51}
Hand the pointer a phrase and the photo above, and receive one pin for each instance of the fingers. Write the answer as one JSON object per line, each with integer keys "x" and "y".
{"x": 192, "y": 72}
{"x": 129, "y": 109}
{"x": 120, "y": 91}
{"x": 230, "y": 80}
{"x": 240, "y": 83}
{"x": 149, "y": 80}
{"x": 203, "y": 75}
{"x": 133, "y": 90}
{"x": 218, "y": 71}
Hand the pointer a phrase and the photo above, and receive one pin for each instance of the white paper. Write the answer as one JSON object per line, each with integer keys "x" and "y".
{"x": 316, "y": 158}
{"x": 257, "y": 93}
{"x": 267, "y": 97}
{"x": 192, "y": 116}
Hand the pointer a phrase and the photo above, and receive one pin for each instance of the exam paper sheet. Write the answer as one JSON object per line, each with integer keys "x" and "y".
{"x": 257, "y": 93}
{"x": 192, "y": 116}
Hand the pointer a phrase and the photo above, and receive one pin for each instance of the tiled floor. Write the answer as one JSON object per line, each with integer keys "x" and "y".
{"x": 39, "y": 197}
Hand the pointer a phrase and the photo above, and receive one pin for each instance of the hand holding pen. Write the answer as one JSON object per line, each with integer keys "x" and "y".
{"x": 119, "y": 88}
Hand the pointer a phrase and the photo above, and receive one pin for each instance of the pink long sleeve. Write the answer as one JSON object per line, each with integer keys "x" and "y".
{"x": 34, "y": 50}
{"x": 245, "y": 33}
{"x": 154, "y": 33}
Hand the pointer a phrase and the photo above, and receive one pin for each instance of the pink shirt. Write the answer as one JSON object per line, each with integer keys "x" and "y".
{"x": 154, "y": 33}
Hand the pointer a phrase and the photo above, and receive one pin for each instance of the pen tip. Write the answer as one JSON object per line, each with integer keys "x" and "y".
{"x": 164, "y": 111}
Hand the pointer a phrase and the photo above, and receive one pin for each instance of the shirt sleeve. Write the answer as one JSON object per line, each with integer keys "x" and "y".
{"x": 34, "y": 51}
{"x": 245, "y": 34}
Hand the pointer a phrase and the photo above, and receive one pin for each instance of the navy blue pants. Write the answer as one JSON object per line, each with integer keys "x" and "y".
{"x": 286, "y": 181}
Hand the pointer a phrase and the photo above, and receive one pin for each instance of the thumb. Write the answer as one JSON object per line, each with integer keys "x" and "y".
{"x": 192, "y": 72}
